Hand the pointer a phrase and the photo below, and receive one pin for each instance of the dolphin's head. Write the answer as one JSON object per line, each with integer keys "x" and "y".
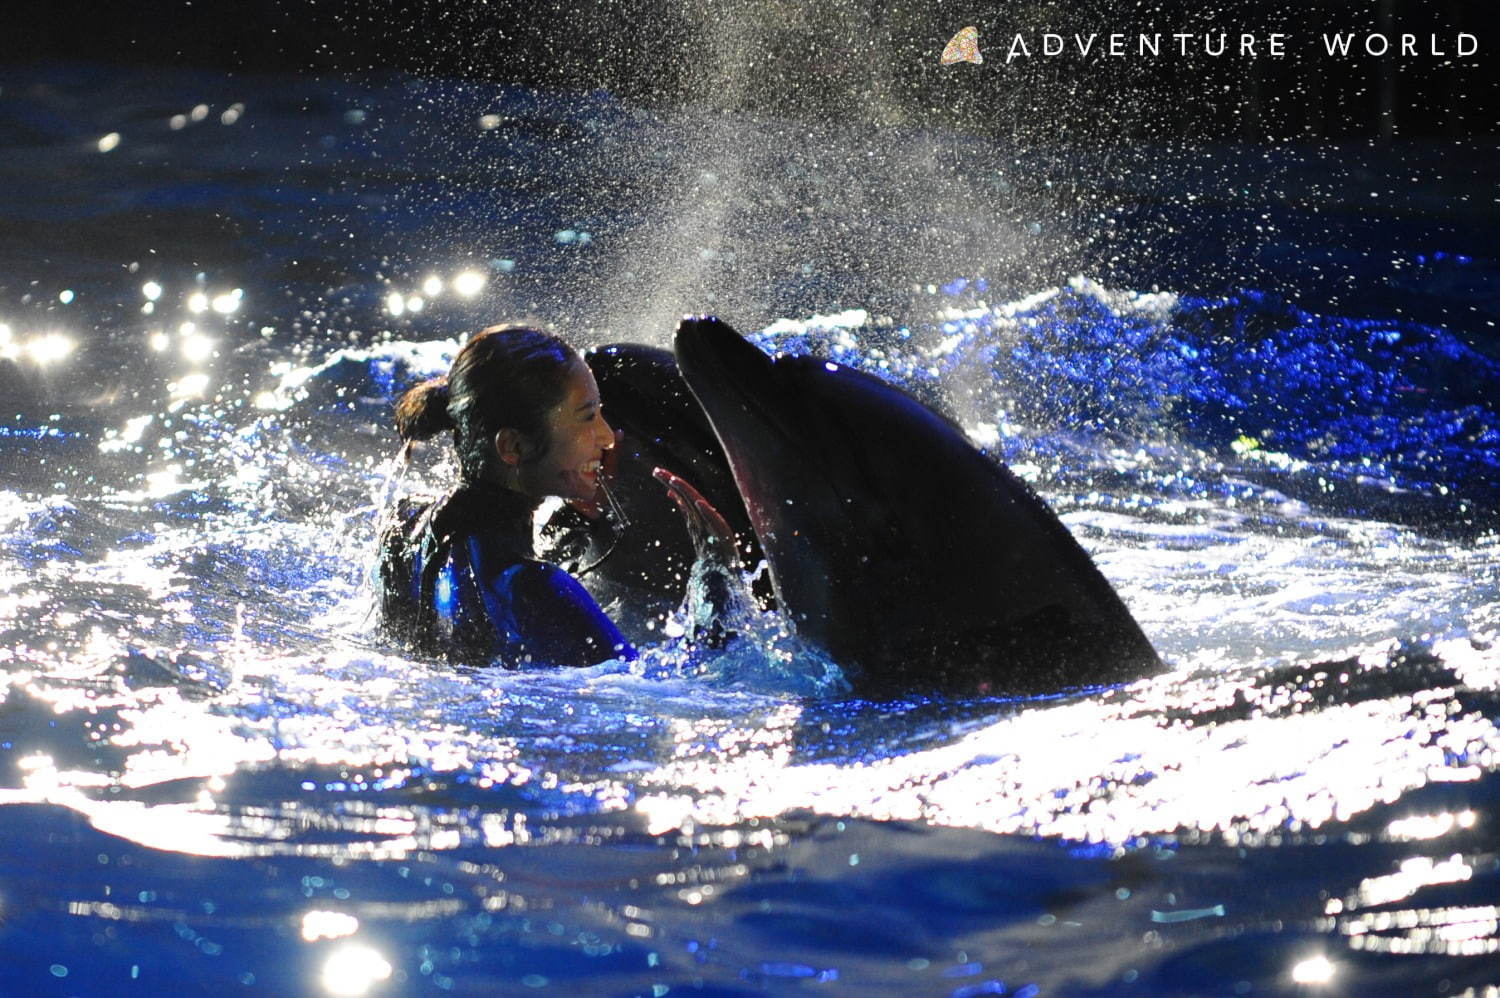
{"x": 787, "y": 451}
{"x": 809, "y": 439}
{"x": 827, "y": 461}
{"x": 892, "y": 542}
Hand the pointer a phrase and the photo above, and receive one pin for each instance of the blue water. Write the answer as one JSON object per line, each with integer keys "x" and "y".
{"x": 1266, "y": 407}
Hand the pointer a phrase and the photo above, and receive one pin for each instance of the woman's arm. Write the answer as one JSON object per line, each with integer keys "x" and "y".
{"x": 559, "y": 622}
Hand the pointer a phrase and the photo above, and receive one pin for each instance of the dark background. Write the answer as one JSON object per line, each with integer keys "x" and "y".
{"x": 859, "y": 59}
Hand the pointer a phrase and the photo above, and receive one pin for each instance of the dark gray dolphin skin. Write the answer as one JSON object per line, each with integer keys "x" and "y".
{"x": 915, "y": 561}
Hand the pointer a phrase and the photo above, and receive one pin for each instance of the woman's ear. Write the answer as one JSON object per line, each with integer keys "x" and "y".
{"x": 508, "y": 444}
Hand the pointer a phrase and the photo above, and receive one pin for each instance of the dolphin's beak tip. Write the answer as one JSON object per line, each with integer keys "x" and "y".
{"x": 702, "y": 323}
{"x": 695, "y": 327}
{"x": 706, "y": 339}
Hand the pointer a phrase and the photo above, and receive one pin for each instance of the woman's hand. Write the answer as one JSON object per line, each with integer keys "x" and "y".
{"x": 716, "y": 595}
{"x": 713, "y": 539}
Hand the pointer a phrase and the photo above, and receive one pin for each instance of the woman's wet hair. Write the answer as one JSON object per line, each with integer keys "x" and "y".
{"x": 504, "y": 376}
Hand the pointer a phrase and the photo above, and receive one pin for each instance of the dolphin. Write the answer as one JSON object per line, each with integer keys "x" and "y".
{"x": 917, "y": 562}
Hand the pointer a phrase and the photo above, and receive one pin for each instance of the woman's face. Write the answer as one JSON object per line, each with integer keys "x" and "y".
{"x": 578, "y": 436}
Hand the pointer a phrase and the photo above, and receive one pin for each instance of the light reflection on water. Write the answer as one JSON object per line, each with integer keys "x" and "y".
{"x": 1245, "y": 758}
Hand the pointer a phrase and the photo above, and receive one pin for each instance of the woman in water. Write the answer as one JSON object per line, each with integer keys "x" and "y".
{"x": 458, "y": 576}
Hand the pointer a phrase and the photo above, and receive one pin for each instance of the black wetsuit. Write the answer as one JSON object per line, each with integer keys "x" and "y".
{"x": 458, "y": 577}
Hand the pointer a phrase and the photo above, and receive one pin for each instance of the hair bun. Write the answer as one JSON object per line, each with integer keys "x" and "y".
{"x": 422, "y": 412}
